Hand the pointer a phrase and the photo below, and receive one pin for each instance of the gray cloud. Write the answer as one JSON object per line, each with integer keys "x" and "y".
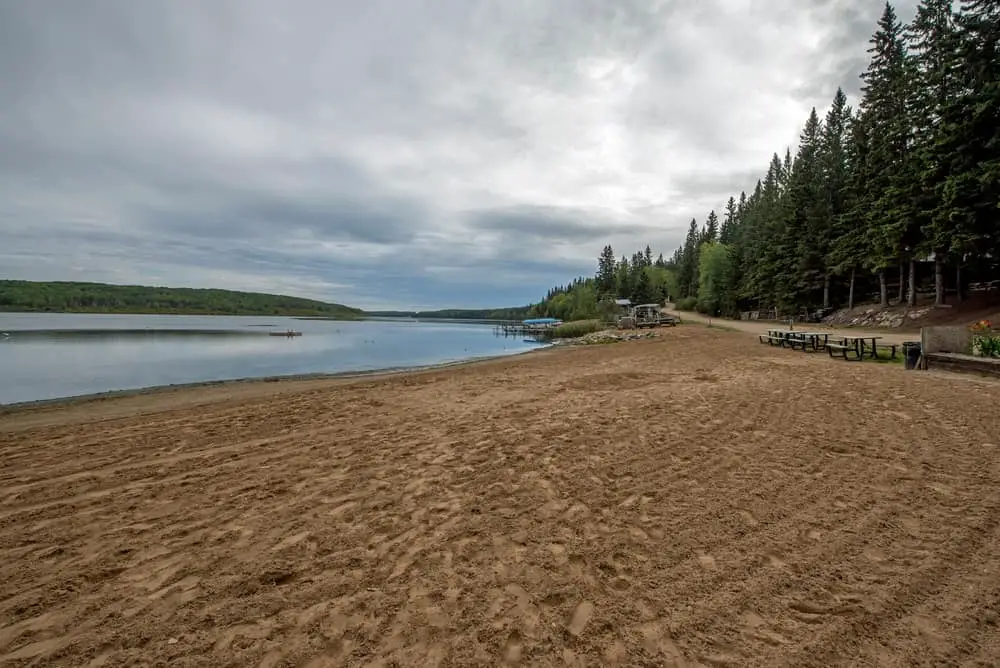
{"x": 387, "y": 153}
{"x": 546, "y": 223}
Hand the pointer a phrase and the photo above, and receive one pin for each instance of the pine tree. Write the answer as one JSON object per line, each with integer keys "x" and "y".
{"x": 728, "y": 222}
{"x": 806, "y": 260}
{"x": 688, "y": 278}
{"x": 623, "y": 279}
{"x": 606, "y": 272}
{"x": 934, "y": 49}
{"x": 833, "y": 165}
{"x": 970, "y": 139}
{"x": 711, "y": 228}
{"x": 892, "y": 228}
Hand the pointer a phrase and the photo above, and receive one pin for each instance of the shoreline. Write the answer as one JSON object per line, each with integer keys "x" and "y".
{"x": 150, "y": 390}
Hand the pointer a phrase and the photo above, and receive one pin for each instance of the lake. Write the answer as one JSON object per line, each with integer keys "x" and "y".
{"x": 53, "y": 355}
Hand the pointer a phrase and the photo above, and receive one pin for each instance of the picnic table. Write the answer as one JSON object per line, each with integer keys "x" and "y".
{"x": 776, "y": 337}
{"x": 795, "y": 339}
{"x": 809, "y": 340}
{"x": 857, "y": 345}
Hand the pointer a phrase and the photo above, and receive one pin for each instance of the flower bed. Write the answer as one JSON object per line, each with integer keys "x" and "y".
{"x": 985, "y": 340}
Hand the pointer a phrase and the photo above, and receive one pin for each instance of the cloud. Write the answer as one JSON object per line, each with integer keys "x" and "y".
{"x": 388, "y": 154}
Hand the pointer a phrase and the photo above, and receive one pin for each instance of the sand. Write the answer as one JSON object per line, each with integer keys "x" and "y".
{"x": 699, "y": 499}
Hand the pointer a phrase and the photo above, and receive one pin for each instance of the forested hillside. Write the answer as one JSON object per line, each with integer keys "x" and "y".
{"x": 897, "y": 196}
{"x": 103, "y": 298}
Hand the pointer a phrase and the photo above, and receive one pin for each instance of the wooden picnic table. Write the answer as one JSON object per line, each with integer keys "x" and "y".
{"x": 776, "y": 336}
{"x": 811, "y": 339}
{"x": 859, "y": 344}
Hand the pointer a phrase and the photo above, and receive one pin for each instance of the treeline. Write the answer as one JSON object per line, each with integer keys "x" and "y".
{"x": 910, "y": 179}
{"x": 640, "y": 279}
{"x": 31, "y": 296}
{"x": 897, "y": 196}
{"x": 511, "y": 313}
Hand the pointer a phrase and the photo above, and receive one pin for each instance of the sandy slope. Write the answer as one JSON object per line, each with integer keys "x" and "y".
{"x": 699, "y": 499}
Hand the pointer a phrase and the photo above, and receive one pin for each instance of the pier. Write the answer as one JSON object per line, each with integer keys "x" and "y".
{"x": 535, "y": 327}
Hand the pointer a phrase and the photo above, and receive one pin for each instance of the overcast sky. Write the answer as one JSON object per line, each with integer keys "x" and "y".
{"x": 393, "y": 153}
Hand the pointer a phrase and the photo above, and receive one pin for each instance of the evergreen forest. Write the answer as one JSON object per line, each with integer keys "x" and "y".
{"x": 72, "y": 297}
{"x": 897, "y": 197}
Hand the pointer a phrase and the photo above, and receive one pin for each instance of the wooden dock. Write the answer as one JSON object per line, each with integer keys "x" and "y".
{"x": 520, "y": 328}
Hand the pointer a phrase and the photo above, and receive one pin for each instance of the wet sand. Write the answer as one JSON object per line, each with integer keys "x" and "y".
{"x": 698, "y": 499}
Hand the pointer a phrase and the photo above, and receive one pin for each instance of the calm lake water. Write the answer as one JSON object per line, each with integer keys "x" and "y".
{"x": 52, "y": 355}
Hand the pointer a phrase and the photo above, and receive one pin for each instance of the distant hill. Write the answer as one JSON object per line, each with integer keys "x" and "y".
{"x": 510, "y": 313}
{"x": 71, "y": 297}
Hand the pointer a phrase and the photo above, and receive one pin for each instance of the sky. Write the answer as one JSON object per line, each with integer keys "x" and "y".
{"x": 394, "y": 153}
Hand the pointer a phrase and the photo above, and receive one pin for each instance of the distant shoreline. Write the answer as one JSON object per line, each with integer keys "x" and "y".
{"x": 298, "y": 316}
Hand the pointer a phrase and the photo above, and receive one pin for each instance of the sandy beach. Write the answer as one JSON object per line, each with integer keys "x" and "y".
{"x": 693, "y": 500}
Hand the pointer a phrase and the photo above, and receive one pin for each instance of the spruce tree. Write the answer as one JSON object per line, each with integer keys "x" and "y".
{"x": 711, "y": 228}
{"x": 892, "y": 227}
{"x": 806, "y": 258}
{"x": 834, "y": 189}
{"x": 728, "y": 228}
{"x": 606, "y": 272}
{"x": 688, "y": 270}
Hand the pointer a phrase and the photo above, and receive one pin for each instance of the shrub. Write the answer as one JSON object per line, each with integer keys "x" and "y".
{"x": 687, "y": 304}
{"x": 576, "y": 328}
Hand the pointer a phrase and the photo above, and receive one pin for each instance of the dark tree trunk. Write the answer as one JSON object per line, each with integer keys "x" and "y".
{"x": 901, "y": 297}
{"x": 959, "y": 293}
{"x": 826, "y": 291}
{"x": 939, "y": 299}
{"x": 883, "y": 288}
{"x": 850, "y": 292}
{"x": 913, "y": 283}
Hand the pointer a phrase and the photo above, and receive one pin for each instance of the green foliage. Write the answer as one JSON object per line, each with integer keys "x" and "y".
{"x": 687, "y": 304}
{"x": 641, "y": 279}
{"x": 29, "y": 296}
{"x": 577, "y": 328}
{"x": 714, "y": 279}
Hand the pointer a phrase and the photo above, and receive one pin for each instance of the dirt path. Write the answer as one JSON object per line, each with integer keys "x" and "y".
{"x": 756, "y": 327}
{"x": 694, "y": 500}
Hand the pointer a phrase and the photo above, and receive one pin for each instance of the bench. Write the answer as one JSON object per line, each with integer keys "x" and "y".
{"x": 842, "y": 350}
{"x": 794, "y": 343}
{"x": 892, "y": 349}
{"x": 773, "y": 340}
{"x": 805, "y": 343}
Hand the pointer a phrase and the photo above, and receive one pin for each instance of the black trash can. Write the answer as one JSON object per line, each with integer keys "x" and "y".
{"x": 911, "y": 354}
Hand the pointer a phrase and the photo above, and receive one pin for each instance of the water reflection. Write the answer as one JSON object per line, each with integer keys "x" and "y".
{"x": 30, "y": 335}
{"x": 46, "y": 356}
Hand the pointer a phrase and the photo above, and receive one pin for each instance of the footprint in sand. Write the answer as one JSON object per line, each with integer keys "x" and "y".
{"x": 758, "y": 629}
{"x": 621, "y": 584}
{"x": 581, "y": 616}
{"x": 656, "y": 641}
{"x": 512, "y": 648}
{"x": 775, "y": 561}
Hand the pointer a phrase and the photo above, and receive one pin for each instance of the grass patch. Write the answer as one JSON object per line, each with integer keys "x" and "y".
{"x": 724, "y": 328}
{"x": 577, "y": 328}
{"x": 883, "y": 357}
